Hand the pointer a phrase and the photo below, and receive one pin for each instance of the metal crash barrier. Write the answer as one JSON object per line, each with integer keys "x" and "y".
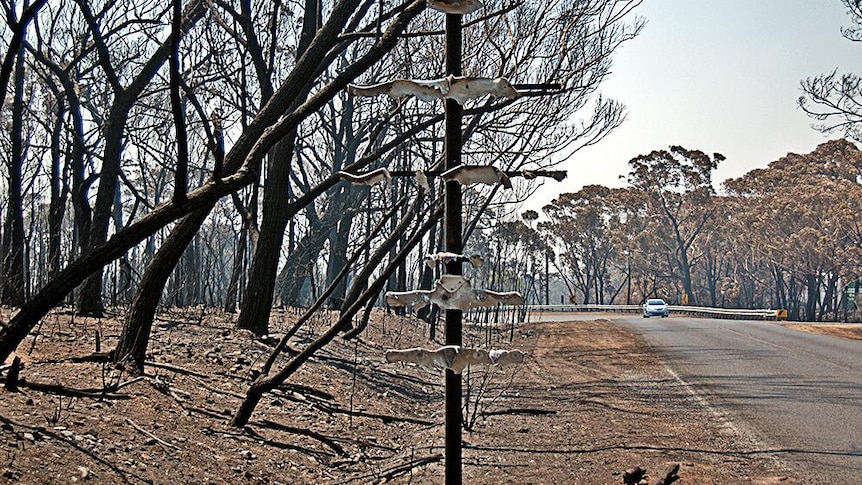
{"x": 726, "y": 313}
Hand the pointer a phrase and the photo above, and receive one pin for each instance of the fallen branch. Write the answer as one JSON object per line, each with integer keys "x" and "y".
{"x": 175, "y": 368}
{"x": 303, "y": 389}
{"x": 70, "y": 391}
{"x": 328, "y": 441}
{"x": 97, "y": 357}
{"x": 385, "y": 475}
{"x": 151, "y": 435}
{"x": 524, "y": 411}
{"x": 386, "y": 418}
{"x": 129, "y": 382}
{"x": 406, "y": 467}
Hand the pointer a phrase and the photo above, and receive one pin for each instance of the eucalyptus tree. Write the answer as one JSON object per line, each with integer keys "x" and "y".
{"x": 12, "y": 247}
{"x": 55, "y": 138}
{"x": 64, "y": 60}
{"x": 580, "y": 224}
{"x": 255, "y": 311}
{"x": 677, "y": 188}
{"x": 801, "y": 214}
{"x": 716, "y": 287}
{"x": 297, "y": 83}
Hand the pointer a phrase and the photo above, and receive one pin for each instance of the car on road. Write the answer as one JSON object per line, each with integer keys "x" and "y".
{"x": 655, "y": 306}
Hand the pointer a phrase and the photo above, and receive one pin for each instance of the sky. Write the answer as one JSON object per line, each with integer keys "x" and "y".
{"x": 717, "y": 76}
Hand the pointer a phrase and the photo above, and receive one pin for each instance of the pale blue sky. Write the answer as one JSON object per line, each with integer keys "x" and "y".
{"x": 718, "y": 76}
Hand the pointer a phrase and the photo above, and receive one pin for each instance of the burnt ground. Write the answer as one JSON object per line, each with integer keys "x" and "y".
{"x": 590, "y": 402}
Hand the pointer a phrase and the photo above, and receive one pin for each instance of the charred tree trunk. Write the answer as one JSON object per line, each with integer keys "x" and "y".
{"x": 338, "y": 242}
{"x": 75, "y": 163}
{"x": 260, "y": 290}
{"x": 132, "y": 347}
{"x": 79, "y": 193}
{"x": 345, "y": 154}
{"x": 191, "y": 274}
{"x": 259, "y": 293}
{"x": 59, "y": 192}
{"x": 233, "y": 285}
{"x": 249, "y": 221}
{"x": 826, "y": 306}
{"x": 13, "y": 238}
{"x": 812, "y": 285}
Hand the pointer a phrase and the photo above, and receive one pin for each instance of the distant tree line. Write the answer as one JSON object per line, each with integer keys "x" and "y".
{"x": 786, "y": 236}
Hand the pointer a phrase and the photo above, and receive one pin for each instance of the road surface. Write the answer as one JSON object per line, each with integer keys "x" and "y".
{"x": 798, "y": 394}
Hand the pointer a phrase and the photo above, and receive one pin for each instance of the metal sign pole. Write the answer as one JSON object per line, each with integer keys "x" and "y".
{"x": 452, "y": 236}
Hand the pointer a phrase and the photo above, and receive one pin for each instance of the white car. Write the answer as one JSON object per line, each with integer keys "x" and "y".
{"x": 655, "y": 306}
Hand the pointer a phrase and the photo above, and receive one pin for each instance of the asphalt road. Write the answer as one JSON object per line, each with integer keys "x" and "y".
{"x": 798, "y": 394}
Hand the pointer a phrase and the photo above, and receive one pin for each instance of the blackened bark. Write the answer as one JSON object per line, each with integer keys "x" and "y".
{"x": 59, "y": 191}
{"x": 182, "y": 171}
{"x": 13, "y": 237}
{"x": 337, "y": 260}
{"x": 132, "y": 346}
{"x": 812, "y": 284}
{"x": 238, "y": 258}
{"x": 260, "y": 291}
{"x": 11, "y": 383}
{"x": 257, "y": 302}
{"x": 19, "y": 30}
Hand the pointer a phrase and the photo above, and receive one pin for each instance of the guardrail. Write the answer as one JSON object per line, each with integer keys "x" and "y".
{"x": 728, "y": 313}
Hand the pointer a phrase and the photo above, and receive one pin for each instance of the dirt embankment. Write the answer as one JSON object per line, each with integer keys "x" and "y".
{"x": 849, "y": 330}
